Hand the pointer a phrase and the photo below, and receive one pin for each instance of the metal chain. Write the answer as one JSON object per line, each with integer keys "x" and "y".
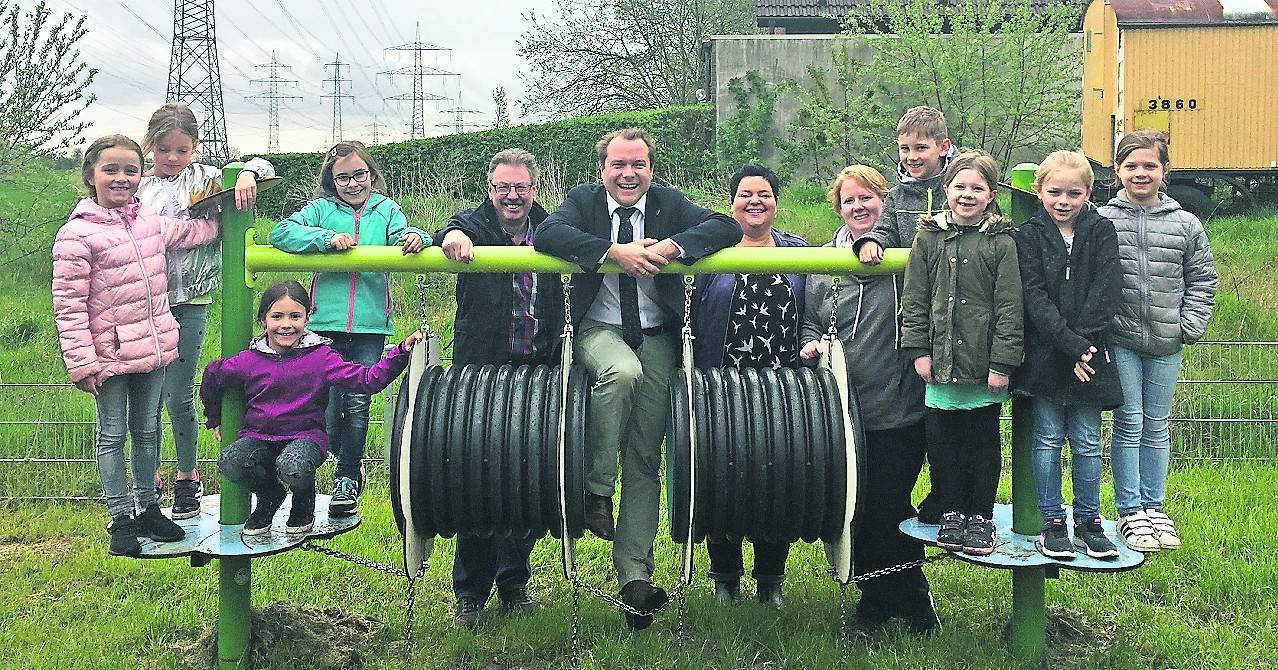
{"x": 844, "y": 641}
{"x": 421, "y": 306}
{"x": 576, "y": 621}
{"x": 883, "y": 572}
{"x": 566, "y": 280}
{"x": 409, "y": 596}
{"x": 681, "y": 597}
{"x": 614, "y": 601}
{"x": 687, "y": 304}
{"x": 357, "y": 560}
{"x": 833, "y": 331}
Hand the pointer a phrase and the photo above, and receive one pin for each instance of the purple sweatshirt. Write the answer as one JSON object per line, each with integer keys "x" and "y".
{"x": 286, "y": 394}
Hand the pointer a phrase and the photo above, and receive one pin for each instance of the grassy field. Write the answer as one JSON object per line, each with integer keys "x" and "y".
{"x": 1211, "y": 605}
{"x": 64, "y": 604}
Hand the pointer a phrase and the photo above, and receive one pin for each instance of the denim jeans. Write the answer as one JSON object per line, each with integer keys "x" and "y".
{"x": 1053, "y": 423}
{"x": 346, "y": 419}
{"x": 179, "y": 383}
{"x": 481, "y": 562}
{"x": 1140, "y": 446}
{"x": 128, "y": 403}
{"x": 258, "y": 465}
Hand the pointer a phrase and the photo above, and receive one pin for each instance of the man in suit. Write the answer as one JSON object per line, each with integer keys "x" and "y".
{"x": 627, "y": 337}
{"x": 501, "y": 318}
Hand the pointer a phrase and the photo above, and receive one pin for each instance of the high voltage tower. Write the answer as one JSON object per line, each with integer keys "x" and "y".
{"x": 459, "y": 124}
{"x": 373, "y": 128}
{"x": 417, "y": 129}
{"x": 194, "y": 76}
{"x": 273, "y": 98}
{"x": 337, "y": 95}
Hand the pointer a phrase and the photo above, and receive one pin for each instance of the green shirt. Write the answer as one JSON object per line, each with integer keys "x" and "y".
{"x": 961, "y": 396}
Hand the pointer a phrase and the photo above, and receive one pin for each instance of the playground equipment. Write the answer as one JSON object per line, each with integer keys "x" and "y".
{"x": 704, "y": 411}
{"x": 1145, "y": 66}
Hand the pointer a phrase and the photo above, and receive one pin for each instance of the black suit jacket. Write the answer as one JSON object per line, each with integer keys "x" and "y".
{"x": 484, "y": 298}
{"x": 580, "y": 231}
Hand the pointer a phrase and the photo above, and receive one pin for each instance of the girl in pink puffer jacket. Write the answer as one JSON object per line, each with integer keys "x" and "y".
{"x": 114, "y": 325}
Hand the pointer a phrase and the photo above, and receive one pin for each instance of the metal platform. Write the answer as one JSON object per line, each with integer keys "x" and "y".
{"x": 206, "y": 537}
{"x": 1013, "y": 550}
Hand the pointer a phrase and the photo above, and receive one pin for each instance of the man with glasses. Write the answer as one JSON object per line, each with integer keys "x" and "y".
{"x": 501, "y": 318}
{"x": 626, "y": 338}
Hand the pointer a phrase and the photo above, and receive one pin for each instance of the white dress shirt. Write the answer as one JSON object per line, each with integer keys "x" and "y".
{"x": 607, "y": 305}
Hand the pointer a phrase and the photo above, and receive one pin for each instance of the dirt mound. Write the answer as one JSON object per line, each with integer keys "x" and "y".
{"x": 287, "y": 633}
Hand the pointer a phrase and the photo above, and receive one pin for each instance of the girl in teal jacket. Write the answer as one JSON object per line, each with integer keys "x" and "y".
{"x": 353, "y": 309}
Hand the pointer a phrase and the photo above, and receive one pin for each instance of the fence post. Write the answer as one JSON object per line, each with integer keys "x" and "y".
{"x": 1028, "y": 626}
{"x": 234, "y": 573}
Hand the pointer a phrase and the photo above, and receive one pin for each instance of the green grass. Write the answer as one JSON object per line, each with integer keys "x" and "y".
{"x": 1211, "y": 605}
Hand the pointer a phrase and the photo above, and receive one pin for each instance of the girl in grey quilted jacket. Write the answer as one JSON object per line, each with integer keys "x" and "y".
{"x": 1168, "y": 291}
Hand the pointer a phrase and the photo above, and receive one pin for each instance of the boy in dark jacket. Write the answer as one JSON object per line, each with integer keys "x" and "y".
{"x": 924, "y": 147}
{"x": 1068, "y": 257}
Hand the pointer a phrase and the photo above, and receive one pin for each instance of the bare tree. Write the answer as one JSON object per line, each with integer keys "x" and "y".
{"x": 42, "y": 82}
{"x": 613, "y": 55}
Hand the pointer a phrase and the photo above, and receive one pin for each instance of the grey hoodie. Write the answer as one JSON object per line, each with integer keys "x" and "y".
{"x": 1169, "y": 277}
{"x": 903, "y": 205}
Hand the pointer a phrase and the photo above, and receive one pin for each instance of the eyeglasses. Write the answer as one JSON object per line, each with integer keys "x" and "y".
{"x": 345, "y": 179}
{"x": 502, "y": 189}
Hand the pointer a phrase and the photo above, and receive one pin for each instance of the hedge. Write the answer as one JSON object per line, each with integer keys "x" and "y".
{"x": 457, "y": 165}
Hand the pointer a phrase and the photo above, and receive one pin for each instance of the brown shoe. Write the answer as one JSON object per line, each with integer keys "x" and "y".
{"x": 598, "y": 513}
{"x": 645, "y": 597}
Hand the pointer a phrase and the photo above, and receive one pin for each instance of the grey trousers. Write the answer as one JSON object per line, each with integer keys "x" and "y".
{"x": 629, "y": 406}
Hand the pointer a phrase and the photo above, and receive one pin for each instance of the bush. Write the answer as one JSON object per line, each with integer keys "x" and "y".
{"x": 457, "y": 165}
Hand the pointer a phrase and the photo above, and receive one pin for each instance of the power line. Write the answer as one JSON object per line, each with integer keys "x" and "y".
{"x": 273, "y": 98}
{"x": 459, "y": 124}
{"x": 419, "y": 72}
{"x": 337, "y": 95}
{"x": 194, "y": 76}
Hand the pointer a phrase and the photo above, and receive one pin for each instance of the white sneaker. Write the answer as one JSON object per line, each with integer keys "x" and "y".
{"x": 1164, "y": 529}
{"x": 1138, "y": 532}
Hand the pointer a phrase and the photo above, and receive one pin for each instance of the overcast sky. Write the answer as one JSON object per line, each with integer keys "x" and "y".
{"x": 130, "y": 43}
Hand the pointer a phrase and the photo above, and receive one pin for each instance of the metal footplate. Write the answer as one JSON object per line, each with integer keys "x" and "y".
{"x": 1014, "y": 550}
{"x": 206, "y": 537}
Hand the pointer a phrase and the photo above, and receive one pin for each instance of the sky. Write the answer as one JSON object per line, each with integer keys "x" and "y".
{"x": 130, "y": 43}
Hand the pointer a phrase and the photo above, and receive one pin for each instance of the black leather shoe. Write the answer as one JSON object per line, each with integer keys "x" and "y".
{"x": 598, "y": 514}
{"x": 645, "y": 597}
{"x": 727, "y": 592}
{"x": 768, "y": 592}
{"x": 516, "y": 601}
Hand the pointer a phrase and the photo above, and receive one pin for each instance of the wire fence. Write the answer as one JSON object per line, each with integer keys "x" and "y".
{"x": 1225, "y": 410}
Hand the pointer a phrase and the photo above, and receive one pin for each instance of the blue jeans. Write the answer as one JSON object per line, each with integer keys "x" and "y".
{"x": 1140, "y": 447}
{"x": 346, "y": 419}
{"x": 1054, "y": 422}
{"x": 179, "y": 382}
{"x": 128, "y": 403}
{"x": 481, "y": 562}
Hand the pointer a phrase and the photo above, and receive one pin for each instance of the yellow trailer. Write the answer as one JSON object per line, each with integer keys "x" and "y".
{"x": 1203, "y": 71}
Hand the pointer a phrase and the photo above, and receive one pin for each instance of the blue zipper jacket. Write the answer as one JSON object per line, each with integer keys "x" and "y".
{"x": 347, "y": 302}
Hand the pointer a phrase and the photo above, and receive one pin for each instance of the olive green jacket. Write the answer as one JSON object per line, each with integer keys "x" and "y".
{"x": 962, "y": 299}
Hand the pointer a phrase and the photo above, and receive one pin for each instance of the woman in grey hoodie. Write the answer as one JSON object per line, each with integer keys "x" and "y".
{"x": 1169, "y": 289}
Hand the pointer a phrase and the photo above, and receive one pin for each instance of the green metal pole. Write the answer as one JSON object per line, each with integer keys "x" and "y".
{"x": 1028, "y": 626}
{"x": 234, "y": 574}
{"x": 809, "y": 260}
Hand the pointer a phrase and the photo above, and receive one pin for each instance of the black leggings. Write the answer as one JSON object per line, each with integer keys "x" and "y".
{"x": 259, "y": 465}
{"x": 965, "y": 452}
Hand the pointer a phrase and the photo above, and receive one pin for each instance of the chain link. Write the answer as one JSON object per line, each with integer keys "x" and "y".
{"x": 409, "y": 596}
{"x": 614, "y": 601}
{"x": 892, "y": 569}
{"x": 688, "y": 281}
{"x": 681, "y": 597}
{"x": 844, "y": 641}
{"x": 357, "y": 560}
{"x": 576, "y": 621}
{"x": 566, "y": 280}
{"x": 421, "y": 306}
{"x": 833, "y": 331}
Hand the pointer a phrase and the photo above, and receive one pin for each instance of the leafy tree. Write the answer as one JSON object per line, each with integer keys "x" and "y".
{"x": 501, "y": 117}
{"x": 748, "y": 134}
{"x": 1007, "y": 76}
{"x": 618, "y": 55}
{"x": 42, "y": 82}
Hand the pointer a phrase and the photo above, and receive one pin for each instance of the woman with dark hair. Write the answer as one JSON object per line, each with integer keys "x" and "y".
{"x": 890, "y": 396}
{"x": 730, "y": 332}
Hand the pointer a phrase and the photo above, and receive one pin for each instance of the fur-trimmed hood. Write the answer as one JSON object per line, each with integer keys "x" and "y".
{"x": 992, "y": 224}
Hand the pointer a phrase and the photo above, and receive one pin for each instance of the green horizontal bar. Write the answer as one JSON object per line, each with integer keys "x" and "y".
{"x": 799, "y": 260}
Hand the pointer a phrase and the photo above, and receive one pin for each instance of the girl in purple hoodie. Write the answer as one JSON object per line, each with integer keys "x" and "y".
{"x": 286, "y": 373}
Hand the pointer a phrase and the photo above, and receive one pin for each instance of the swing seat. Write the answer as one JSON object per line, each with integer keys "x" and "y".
{"x": 206, "y": 537}
{"x": 1015, "y": 550}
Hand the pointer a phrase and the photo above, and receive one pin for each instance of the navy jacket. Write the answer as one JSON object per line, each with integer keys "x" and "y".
{"x": 713, "y": 301}
{"x": 580, "y": 232}
{"x": 484, "y": 298}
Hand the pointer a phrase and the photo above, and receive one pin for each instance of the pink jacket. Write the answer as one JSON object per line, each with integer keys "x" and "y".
{"x": 109, "y": 289}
